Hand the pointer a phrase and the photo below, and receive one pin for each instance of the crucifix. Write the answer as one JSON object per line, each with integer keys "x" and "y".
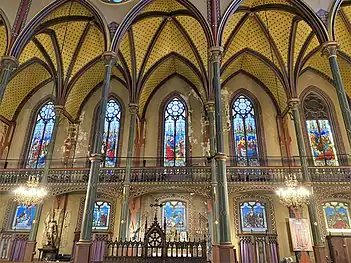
{"x": 156, "y": 205}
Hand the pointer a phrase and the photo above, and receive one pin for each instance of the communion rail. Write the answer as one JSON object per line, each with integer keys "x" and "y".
{"x": 275, "y": 174}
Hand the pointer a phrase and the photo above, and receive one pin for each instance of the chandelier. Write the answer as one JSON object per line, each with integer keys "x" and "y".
{"x": 31, "y": 193}
{"x": 293, "y": 195}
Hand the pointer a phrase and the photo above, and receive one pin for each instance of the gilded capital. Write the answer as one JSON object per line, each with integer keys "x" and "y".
{"x": 294, "y": 103}
{"x": 216, "y": 54}
{"x": 10, "y": 63}
{"x": 221, "y": 156}
{"x": 96, "y": 157}
{"x": 133, "y": 108}
{"x": 109, "y": 57}
{"x": 210, "y": 106}
{"x": 330, "y": 48}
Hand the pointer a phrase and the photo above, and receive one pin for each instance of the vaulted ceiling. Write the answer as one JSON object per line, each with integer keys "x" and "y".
{"x": 165, "y": 39}
{"x": 269, "y": 42}
{"x": 65, "y": 48}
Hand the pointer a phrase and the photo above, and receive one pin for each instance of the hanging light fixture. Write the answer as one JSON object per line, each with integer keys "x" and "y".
{"x": 32, "y": 193}
{"x": 293, "y": 195}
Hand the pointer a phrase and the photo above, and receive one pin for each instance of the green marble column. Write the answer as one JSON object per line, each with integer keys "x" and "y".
{"x": 96, "y": 157}
{"x": 294, "y": 105}
{"x": 123, "y": 228}
{"x": 8, "y": 65}
{"x": 330, "y": 49}
{"x": 210, "y": 108}
{"x": 223, "y": 200}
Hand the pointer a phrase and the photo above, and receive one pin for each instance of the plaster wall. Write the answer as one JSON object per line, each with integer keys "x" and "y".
{"x": 23, "y": 127}
{"x": 309, "y": 79}
{"x": 87, "y": 119}
{"x": 268, "y": 115}
{"x": 152, "y": 125}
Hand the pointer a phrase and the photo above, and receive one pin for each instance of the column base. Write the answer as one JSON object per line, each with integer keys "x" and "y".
{"x": 319, "y": 254}
{"x": 223, "y": 253}
{"x": 29, "y": 251}
{"x": 83, "y": 251}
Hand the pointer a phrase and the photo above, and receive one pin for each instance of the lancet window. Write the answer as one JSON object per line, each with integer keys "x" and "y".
{"x": 337, "y": 216}
{"x": 253, "y": 217}
{"x": 41, "y": 136}
{"x": 23, "y": 217}
{"x": 319, "y": 130}
{"x": 101, "y": 218}
{"x": 174, "y": 138}
{"x": 174, "y": 212}
{"x": 111, "y": 135}
{"x": 244, "y": 128}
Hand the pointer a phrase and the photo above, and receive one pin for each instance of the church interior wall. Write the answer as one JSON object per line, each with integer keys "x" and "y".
{"x": 310, "y": 79}
{"x": 10, "y": 9}
{"x": 268, "y": 116}
{"x": 23, "y": 125}
{"x": 152, "y": 133}
{"x": 88, "y": 116}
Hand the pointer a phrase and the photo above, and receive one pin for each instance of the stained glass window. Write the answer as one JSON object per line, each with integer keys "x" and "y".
{"x": 41, "y": 137}
{"x": 174, "y": 133}
{"x": 174, "y": 213}
{"x": 337, "y": 216}
{"x": 253, "y": 216}
{"x": 101, "y": 216}
{"x": 111, "y": 132}
{"x": 319, "y": 131}
{"x": 23, "y": 218}
{"x": 245, "y": 133}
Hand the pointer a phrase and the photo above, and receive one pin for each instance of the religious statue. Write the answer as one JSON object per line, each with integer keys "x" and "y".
{"x": 51, "y": 232}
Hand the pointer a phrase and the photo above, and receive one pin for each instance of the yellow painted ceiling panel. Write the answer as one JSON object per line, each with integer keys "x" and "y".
{"x": 3, "y": 40}
{"x": 19, "y": 86}
{"x": 68, "y": 36}
{"x": 250, "y": 36}
{"x": 230, "y": 26}
{"x": 345, "y": 70}
{"x": 46, "y": 42}
{"x": 163, "y": 71}
{"x": 170, "y": 40}
{"x": 92, "y": 47}
{"x": 254, "y": 3}
{"x": 71, "y": 8}
{"x": 143, "y": 32}
{"x": 343, "y": 35}
{"x": 314, "y": 44}
{"x": 125, "y": 50}
{"x": 197, "y": 35}
{"x": 279, "y": 24}
{"x": 187, "y": 72}
{"x": 31, "y": 51}
{"x": 232, "y": 68}
{"x": 320, "y": 63}
{"x": 302, "y": 32}
{"x": 93, "y": 76}
{"x": 117, "y": 73}
{"x": 163, "y": 6}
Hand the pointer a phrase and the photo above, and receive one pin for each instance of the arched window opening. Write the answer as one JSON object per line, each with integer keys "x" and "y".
{"x": 41, "y": 136}
{"x": 253, "y": 217}
{"x": 174, "y": 214}
{"x": 337, "y": 216}
{"x": 101, "y": 218}
{"x": 245, "y": 132}
{"x": 111, "y": 133}
{"x": 175, "y": 125}
{"x": 319, "y": 131}
{"x": 23, "y": 217}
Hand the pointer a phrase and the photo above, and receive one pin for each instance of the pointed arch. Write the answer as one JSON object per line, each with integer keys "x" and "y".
{"x": 247, "y": 144}
{"x": 4, "y": 45}
{"x": 174, "y": 131}
{"x": 321, "y": 127}
{"x": 332, "y": 17}
{"x": 43, "y": 121}
{"x": 306, "y": 11}
{"x": 35, "y": 22}
{"x": 130, "y": 17}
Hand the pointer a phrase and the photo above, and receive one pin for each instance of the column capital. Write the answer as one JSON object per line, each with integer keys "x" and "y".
{"x": 109, "y": 57}
{"x": 294, "y": 103}
{"x": 220, "y": 156}
{"x": 216, "y": 53}
{"x": 330, "y": 48}
{"x": 59, "y": 108}
{"x": 210, "y": 106}
{"x": 133, "y": 108}
{"x": 10, "y": 63}
{"x": 96, "y": 157}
